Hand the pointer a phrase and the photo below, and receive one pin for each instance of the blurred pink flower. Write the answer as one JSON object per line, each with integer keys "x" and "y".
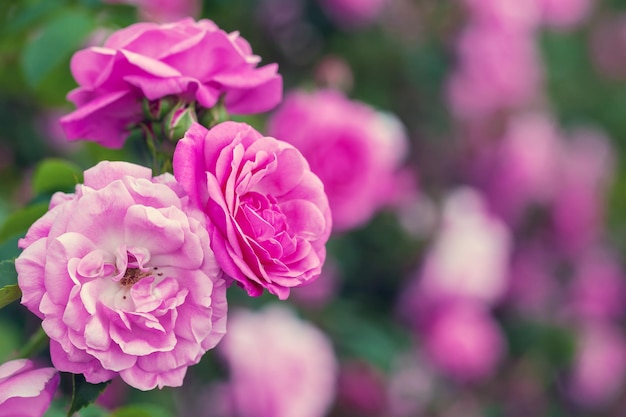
{"x": 564, "y": 14}
{"x": 585, "y": 171}
{"x": 469, "y": 257}
{"x": 464, "y": 341}
{"x": 353, "y": 14}
{"x": 504, "y": 14}
{"x": 122, "y": 275}
{"x": 355, "y": 151}
{"x": 522, "y": 168}
{"x": 26, "y": 391}
{"x": 163, "y": 11}
{"x": 269, "y": 218}
{"x": 599, "y": 365}
{"x": 497, "y": 70}
{"x": 598, "y": 288}
{"x": 279, "y": 365}
{"x": 361, "y": 389}
{"x": 151, "y": 61}
{"x": 608, "y": 45}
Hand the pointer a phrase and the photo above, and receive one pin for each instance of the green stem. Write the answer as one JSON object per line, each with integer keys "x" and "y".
{"x": 37, "y": 342}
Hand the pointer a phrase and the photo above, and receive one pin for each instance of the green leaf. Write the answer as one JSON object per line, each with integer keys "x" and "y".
{"x": 56, "y": 175}
{"x": 84, "y": 393}
{"x": 8, "y": 274}
{"x": 19, "y": 222}
{"x": 9, "y": 294}
{"x": 61, "y": 36}
{"x": 140, "y": 410}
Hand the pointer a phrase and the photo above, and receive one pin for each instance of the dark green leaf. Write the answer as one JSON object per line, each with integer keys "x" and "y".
{"x": 9, "y": 294}
{"x": 84, "y": 393}
{"x": 56, "y": 175}
{"x": 57, "y": 40}
{"x": 140, "y": 410}
{"x": 19, "y": 222}
{"x": 8, "y": 274}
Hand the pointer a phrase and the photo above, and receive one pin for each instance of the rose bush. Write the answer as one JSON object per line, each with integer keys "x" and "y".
{"x": 122, "y": 275}
{"x": 355, "y": 150}
{"x": 195, "y": 61}
{"x": 26, "y": 391}
{"x": 269, "y": 218}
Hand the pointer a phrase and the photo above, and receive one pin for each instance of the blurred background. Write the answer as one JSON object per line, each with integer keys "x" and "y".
{"x": 473, "y": 154}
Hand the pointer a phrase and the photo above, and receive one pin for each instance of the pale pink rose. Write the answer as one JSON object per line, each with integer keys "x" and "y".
{"x": 470, "y": 255}
{"x": 355, "y": 150}
{"x": 269, "y": 218}
{"x": 599, "y": 366}
{"x": 194, "y": 61}
{"x": 162, "y": 11}
{"x": 497, "y": 70}
{"x": 26, "y": 391}
{"x": 352, "y": 14}
{"x": 122, "y": 275}
{"x": 464, "y": 341}
{"x": 279, "y": 365}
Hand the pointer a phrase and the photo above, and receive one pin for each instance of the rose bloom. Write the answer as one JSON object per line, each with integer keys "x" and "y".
{"x": 352, "y": 14}
{"x": 279, "y": 366}
{"x": 355, "y": 150}
{"x": 195, "y": 61}
{"x": 123, "y": 278}
{"x": 26, "y": 391}
{"x": 269, "y": 218}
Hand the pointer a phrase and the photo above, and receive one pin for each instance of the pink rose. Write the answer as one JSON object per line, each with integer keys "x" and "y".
{"x": 26, "y": 391}
{"x": 279, "y": 366}
{"x": 163, "y": 10}
{"x": 196, "y": 61}
{"x": 269, "y": 218}
{"x": 353, "y": 14}
{"x": 122, "y": 275}
{"x": 356, "y": 151}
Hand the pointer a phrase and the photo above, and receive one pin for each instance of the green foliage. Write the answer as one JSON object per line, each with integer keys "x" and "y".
{"x": 56, "y": 175}
{"x": 9, "y": 294}
{"x": 18, "y": 223}
{"x": 84, "y": 393}
{"x": 55, "y": 43}
{"x": 140, "y": 410}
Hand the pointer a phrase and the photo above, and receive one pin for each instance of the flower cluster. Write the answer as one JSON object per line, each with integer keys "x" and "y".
{"x": 129, "y": 272}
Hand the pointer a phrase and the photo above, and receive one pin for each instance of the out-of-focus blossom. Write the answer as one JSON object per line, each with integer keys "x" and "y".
{"x": 353, "y": 14}
{"x": 279, "y": 365}
{"x": 163, "y": 11}
{"x": 334, "y": 72}
{"x": 608, "y": 46}
{"x": 25, "y": 390}
{"x": 585, "y": 170}
{"x": 464, "y": 341}
{"x": 522, "y": 169}
{"x": 269, "y": 218}
{"x": 599, "y": 365}
{"x": 122, "y": 275}
{"x": 361, "y": 389}
{"x": 355, "y": 151}
{"x": 410, "y": 385}
{"x": 564, "y": 14}
{"x": 505, "y": 15}
{"x": 533, "y": 285}
{"x": 497, "y": 69}
{"x": 469, "y": 257}
{"x": 322, "y": 291}
{"x": 151, "y": 61}
{"x": 598, "y": 289}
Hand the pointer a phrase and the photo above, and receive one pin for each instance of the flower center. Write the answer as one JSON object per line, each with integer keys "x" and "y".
{"x": 133, "y": 275}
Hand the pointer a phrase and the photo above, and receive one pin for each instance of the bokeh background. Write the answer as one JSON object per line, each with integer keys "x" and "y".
{"x": 487, "y": 279}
